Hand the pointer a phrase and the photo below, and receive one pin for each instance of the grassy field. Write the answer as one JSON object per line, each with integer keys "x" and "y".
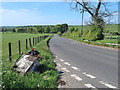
{"x": 13, "y": 38}
{"x": 111, "y": 28}
{"x": 45, "y": 77}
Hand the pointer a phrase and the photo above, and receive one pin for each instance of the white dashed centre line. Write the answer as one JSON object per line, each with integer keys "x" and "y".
{"x": 66, "y": 63}
{"x": 89, "y": 86}
{"x": 76, "y": 77}
{"x": 58, "y": 64}
{"x": 61, "y": 60}
{"x": 75, "y": 68}
{"x": 88, "y": 75}
{"x": 65, "y": 69}
{"x": 107, "y": 84}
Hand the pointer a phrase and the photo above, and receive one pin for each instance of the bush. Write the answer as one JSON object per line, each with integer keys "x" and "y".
{"x": 95, "y": 33}
{"x": 71, "y": 29}
{"x": 59, "y": 33}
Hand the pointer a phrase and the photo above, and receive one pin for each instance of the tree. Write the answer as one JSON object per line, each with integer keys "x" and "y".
{"x": 55, "y": 29}
{"x": 13, "y": 30}
{"x": 47, "y": 29}
{"x": 39, "y": 28}
{"x": 97, "y": 10}
{"x": 71, "y": 29}
{"x": 64, "y": 27}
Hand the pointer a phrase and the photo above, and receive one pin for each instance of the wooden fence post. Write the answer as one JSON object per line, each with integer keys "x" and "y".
{"x": 26, "y": 44}
{"x": 117, "y": 38}
{"x": 33, "y": 42}
{"x": 19, "y": 47}
{"x": 10, "y": 55}
{"x": 38, "y": 39}
{"x": 30, "y": 42}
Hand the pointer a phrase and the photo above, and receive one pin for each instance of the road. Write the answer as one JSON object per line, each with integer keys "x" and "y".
{"x": 85, "y": 66}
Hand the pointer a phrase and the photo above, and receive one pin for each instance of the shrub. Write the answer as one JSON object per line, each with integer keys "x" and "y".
{"x": 95, "y": 33}
{"x": 59, "y": 33}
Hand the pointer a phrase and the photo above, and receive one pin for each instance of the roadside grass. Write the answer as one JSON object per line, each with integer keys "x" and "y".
{"x": 113, "y": 36}
{"x": 108, "y": 41}
{"x": 45, "y": 77}
{"x": 98, "y": 42}
{"x": 108, "y": 38}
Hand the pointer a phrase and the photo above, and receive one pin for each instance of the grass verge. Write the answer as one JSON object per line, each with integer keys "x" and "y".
{"x": 45, "y": 77}
{"x": 95, "y": 42}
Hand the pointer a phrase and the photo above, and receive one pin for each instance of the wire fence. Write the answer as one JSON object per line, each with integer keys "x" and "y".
{"x": 22, "y": 48}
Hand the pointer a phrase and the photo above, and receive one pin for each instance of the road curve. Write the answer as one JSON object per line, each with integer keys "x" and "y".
{"x": 99, "y": 64}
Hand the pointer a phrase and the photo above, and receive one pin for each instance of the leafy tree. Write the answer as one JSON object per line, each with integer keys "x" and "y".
{"x": 71, "y": 29}
{"x": 13, "y": 30}
{"x": 16, "y": 29}
{"x": 39, "y": 28}
{"x": 55, "y": 29}
{"x": 47, "y": 29}
{"x": 64, "y": 28}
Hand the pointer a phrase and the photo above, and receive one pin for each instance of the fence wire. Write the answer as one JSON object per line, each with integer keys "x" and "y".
{"x": 15, "y": 52}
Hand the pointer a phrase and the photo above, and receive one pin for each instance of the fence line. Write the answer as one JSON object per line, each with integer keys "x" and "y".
{"x": 36, "y": 40}
{"x": 117, "y": 38}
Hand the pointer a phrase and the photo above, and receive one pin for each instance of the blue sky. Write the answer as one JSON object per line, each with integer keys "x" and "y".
{"x": 41, "y": 13}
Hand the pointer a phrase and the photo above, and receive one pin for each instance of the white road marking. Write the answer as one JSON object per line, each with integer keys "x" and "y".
{"x": 76, "y": 77}
{"x": 107, "y": 84}
{"x": 108, "y": 56}
{"x": 75, "y": 68}
{"x": 88, "y": 75}
{"x": 89, "y": 86}
{"x": 61, "y": 60}
{"x": 54, "y": 60}
{"x": 58, "y": 64}
{"x": 65, "y": 69}
{"x": 66, "y": 63}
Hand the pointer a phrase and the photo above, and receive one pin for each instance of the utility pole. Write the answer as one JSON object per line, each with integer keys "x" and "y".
{"x": 82, "y": 22}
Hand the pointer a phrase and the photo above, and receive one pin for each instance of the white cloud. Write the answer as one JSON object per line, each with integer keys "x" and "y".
{"x": 31, "y": 0}
{"x": 54, "y": 0}
{"x": 25, "y": 17}
{"x": 17, "y": 17}
{"x": 35, "y": 8}
{"x": 115, "y": 13}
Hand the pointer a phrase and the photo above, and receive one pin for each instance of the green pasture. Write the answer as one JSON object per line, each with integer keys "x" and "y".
{"x": 14, "y": 38}
{"x": 111, "y": 28}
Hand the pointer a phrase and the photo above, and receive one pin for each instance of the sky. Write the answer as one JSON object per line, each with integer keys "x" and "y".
{"x": 41, "y": 13}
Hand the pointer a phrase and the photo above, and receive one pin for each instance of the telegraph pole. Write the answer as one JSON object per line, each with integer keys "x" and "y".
{"x": 82, "y": 22}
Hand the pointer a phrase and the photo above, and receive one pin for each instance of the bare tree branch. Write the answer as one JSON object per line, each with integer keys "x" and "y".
{"x": 98, "y": 8}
